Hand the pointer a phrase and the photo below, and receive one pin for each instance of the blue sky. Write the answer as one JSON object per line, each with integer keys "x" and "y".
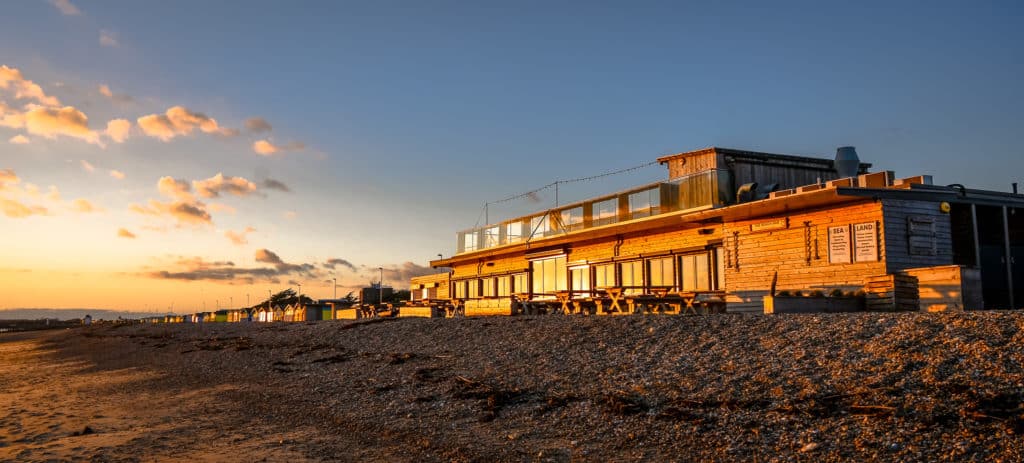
{"x": 413, "y": 114}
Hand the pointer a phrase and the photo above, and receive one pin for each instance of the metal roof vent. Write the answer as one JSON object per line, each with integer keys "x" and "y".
{"x": 847, "y": 163}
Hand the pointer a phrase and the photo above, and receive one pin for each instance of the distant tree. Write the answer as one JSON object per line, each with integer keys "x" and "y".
{"x": 398, "y": 296}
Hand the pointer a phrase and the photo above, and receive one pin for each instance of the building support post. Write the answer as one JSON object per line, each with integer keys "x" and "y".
{"x": 1009, "y": 257}
{"x": 974, "y": 234}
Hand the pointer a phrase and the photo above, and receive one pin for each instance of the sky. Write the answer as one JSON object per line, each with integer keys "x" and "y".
{"x": 176, "y": 156}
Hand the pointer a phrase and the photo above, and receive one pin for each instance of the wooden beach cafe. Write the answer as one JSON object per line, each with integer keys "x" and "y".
{"x": 742, "y": 231}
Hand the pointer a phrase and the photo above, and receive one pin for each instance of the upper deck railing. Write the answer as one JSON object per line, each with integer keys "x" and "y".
{"x": 709, "y": 188}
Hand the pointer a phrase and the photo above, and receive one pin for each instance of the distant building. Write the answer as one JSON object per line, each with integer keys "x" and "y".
{"x": 373, "y": 294}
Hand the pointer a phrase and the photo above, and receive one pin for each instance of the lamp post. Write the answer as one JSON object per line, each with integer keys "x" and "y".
{"x": 335, "y": 288}
{"x": 380, "y": 287}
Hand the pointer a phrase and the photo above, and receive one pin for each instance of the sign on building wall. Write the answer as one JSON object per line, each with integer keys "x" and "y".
{"x": 839, "y": 245}
{"x": 865, "y": 242}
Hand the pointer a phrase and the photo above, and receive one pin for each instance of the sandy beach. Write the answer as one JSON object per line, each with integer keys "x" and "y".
{"x": 844, "y": 387}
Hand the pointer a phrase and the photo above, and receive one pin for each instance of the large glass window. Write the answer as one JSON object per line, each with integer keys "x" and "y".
{"x": 513, "y": 232}
{"x": 540, "y": 226}
{"x": 695, "y": 270}
{"x": 644, "y": 203}
{"x": 549, "y": 275}
{"x": 631, "y": 274}
{"x": 504, "y": 289}
{"x": 519, "y": 283}
{"x": 491, "y": 236}
{"x": 469, "y": 242}
{"x": 604, "y": 275}
{"x": 661, "y": 272}
{"x": 579, "y": 278}
{"x": 719, "y": 269}
{"x": 605, "y": 212}
{"x": 460, "y": 289}
{"x": 474, "y": 289}
{"x": 572, "y": 219}
{"x": 490, "y": 286}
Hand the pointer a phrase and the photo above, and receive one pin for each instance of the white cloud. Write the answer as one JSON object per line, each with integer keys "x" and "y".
{"x": 84, "y": 206}
{"x": 214, "y": 186}
{"x": 118, "y": 130}
{"x": 87, "y": 166}
{"x": 109, "y": 38}
{"x": 117, "y": 174}
{"x": 178, "y": 121}
{"x": 19, "y": 140}
{"x": 11, "y": 78}
{"x": 66, "y": 121}
{"x": 239, "y": 238}
{"x": 267, "y": 148}
{"x": 66, "y": 7}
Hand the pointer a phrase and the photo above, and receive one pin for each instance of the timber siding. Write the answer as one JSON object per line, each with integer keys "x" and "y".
{"x": 748, "y": 272}
{"x": 897, "y": 235}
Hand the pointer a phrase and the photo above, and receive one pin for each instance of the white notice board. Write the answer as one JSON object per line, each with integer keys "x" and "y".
{"x": 839, "y": 245}
{"x": 865, "y": 242}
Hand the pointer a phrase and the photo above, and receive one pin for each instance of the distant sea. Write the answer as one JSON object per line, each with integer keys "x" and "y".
{"x": 70, "y": 314}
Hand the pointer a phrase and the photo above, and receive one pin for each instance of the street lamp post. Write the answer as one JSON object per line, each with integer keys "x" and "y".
{"x": 335, "y": 288}
{"x": 380, "y": 287}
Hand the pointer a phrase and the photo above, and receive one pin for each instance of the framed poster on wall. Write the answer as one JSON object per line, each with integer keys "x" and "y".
{"x": 865, "y": 242}
{"x": 839, "y": 245}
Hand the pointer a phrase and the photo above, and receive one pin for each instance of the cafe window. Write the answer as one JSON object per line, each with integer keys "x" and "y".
{"x": 474, "y": 289}
{"x": 572, "y": 219}
{"x": 539, "y": 226}
{"x": 503, "y": 286}
{"x": 661, "y": 272}
{"x": 469, "y": 241}
{"x": 549, "y": 275}
{"x": 604, "y": 212}
{"x": 490, "y": 286}
{"x": 519, "y": 283}
{"x": 695, "y": 270}
{"x": 632, "y": 274}
{"x": 460, "y": 289}
{"x": 491, "y": 236}
{"x": 513, "y": 232}
{"x": 579, "y": 278}
{"x": 719, "y": 268}
{"x": 644, "y": 203}
{"x": 604, "y": 275}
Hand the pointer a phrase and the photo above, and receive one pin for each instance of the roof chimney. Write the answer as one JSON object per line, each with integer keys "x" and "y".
{"x": 847, "y": 163}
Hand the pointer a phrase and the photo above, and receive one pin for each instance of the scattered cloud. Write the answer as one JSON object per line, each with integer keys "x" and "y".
{"x": 117, "y": 174}
{"x": 11, "y": 78}
{"x": 124, "y": 233}
{"x": 239, "y": 237}
{"x": 268, "y": 257}
{"x": 7, "y": 176}
{"x": 184, "y": 212}
{"x": 177, "y": 121}
{"x": 174, "y": 188}
{"x": 272, "y": 184}
{"x": 104, "y": 90}
{"x": 333, "y": 263}
{"x": 19, "y": 140}
{"x": 266, "y": 148}
{"x": 67, "y": 121}
{"x": 66, "y": 7}
{"x": 406, "y": 271}
{"x": 108, "y": 38}
{"x": 84, "y": 206}
{"x": 214, "y": 186}
{"x": 198, "y": 269}
{"x": 16, "y": 210}
{"x": 118, "y": 130}
{"x": 53, "y": 194}
{"x": 87, "y": 166}
{"x": 218, "y": 207}
{"x": 290, "y": 215}
{"x": 257, "y": 125}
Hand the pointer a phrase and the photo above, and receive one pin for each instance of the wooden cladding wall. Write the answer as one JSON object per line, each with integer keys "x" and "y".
{"x": 787, "y": 177}
{"x": 918, "y": 234}
{"x": 692, "y": 164}
{"x": 754, "y": 257}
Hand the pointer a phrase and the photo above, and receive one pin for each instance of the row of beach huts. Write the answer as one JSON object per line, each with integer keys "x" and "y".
{"x": 324, "y": 310}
